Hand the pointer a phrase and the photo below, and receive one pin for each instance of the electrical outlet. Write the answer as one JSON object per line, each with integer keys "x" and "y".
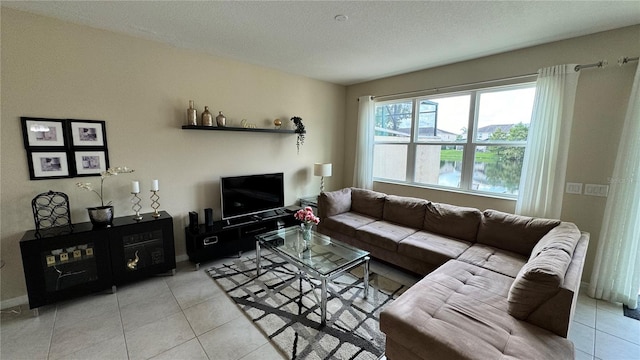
{"x": 596, "y": 190}
{"x": 574, "y": 188}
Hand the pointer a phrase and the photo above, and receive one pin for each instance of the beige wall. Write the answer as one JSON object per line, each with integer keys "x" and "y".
{"x": 602, "y": 97}
{"x": 141, "y": 89}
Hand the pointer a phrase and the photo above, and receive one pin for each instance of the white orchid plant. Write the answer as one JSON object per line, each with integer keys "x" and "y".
{"x": 103, "y": 175}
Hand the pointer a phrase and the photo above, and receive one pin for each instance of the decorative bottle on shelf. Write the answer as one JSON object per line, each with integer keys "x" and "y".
{"x": 192, "y": 115}
{"x": 207, "y": 118}
{"x": 221, "y": 120}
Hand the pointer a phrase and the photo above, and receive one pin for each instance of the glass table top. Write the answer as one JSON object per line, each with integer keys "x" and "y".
{"x": 321, "y": 253}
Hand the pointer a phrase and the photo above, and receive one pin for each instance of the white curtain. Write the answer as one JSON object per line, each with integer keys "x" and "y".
{"x": 363, "y": 169}
{"x": 545, "y": 160}
{"x": 616, "y": 273}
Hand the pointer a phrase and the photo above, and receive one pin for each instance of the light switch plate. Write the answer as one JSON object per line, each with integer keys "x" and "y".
{"x": 574, "y": 188}
{"x": 596, "y": 190}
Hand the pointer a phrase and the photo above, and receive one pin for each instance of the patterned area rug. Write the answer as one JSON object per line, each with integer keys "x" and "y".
{"x": 286, "y": 308}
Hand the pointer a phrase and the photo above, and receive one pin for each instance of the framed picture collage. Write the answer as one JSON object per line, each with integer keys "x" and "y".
{"x": 64, "y": 148}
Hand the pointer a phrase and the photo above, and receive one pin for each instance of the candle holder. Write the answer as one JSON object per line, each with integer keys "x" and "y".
{"x": 154, "y": 203}
{"x": 136, "y": 207}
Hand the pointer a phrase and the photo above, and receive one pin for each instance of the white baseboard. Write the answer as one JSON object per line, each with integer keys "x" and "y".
{"x": 9, "y": 303}
{"x": 181, "y": 258}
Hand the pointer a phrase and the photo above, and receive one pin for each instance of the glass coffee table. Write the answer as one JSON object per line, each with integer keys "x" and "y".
{"x": 322, "y": 257}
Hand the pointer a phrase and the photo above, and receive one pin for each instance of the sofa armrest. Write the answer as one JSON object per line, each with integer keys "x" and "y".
{"x": 334, "y": 202}
{"x": 556, "y": 314}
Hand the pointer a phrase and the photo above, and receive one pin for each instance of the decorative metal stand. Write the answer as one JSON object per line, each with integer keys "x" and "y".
{"x": 154, "y": 203}
{"x": 51, "y": 209}
{"x": 135, "y": 200}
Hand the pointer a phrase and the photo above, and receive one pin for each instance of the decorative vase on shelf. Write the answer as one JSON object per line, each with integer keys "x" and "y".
{"x": 207, "y": 118}
{"x": 221, "y": 120}
{"x": 192, "y": 114}
{"x": 101, "y": 216}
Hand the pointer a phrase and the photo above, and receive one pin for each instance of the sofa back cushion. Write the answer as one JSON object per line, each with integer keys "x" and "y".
{"x": 513, "y": 232}
{"x": 334, "y": 202}
{"x": 454, "y": 221}
{"x": 542, "y": 277}
{"x": 563, "y": 237}
{"x": 367, "y": 202}
{"x": 403, "y": 210}
{"x": 539, "y": 280}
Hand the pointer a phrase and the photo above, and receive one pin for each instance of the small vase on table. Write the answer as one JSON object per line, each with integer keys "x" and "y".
{"x": 306, "y": 231}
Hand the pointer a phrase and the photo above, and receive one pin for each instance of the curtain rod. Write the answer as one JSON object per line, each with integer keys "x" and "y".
{"x": 436, "y": 89}
{"x": 599, "y": 64}
{"x": 625, "y": 59}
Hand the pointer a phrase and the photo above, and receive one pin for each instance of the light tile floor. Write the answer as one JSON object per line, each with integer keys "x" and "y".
{"x": 187, "y": 316}
{"x": 601, "y": 331}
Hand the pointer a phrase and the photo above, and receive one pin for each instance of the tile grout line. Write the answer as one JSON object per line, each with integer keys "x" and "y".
{"x": 613, "y": 335}
{"x": 53, "y": 328}
{"x": 195, "y": 336}
{"x": 124, "y": 336}
{"x": 595, "y": 332}
{"x": 188, "y": 322}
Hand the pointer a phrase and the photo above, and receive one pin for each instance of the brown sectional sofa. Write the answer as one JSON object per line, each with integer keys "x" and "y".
{"x": 497, "y": 285}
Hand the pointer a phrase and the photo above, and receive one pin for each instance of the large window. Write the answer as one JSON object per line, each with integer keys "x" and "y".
{"x": 471, "y": 141}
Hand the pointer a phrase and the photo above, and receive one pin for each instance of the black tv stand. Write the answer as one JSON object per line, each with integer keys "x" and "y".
{"x": 233, "y": 236}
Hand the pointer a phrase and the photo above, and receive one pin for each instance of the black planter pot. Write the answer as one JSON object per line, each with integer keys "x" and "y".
{"x": 101, "y": 216}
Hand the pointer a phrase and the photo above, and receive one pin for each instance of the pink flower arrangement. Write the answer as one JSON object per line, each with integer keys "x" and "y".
{"x": 306, "y": 215}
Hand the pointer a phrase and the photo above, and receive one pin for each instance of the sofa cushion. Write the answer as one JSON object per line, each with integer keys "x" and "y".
{"x": 334, "y": 202}
{"x": 513, "y": 232}
{"x": 346, "y": 223}
{"x": 454, "y": 221}
{"x": 383, "y": 234}
{"x": 367, "y": 202}
{"x": 564, "y": 237}
{"x": 538, "y": 281}
{"x": 404, "y": 211}
{"x": 459, "y": 312}
{"x": 432, "y": 248}
{"x": 501, "y": 261}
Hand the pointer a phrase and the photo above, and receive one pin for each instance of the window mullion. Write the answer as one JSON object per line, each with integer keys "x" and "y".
{"x": 411, "y": 151}
{"x": 466, "y": 178}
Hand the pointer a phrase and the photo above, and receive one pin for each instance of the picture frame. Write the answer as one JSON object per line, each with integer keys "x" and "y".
{"x": 90, "y": 163}
{"x": 48, "y": 164}
{"x": 87, "y": 133}
{"x": 44, "y": 133}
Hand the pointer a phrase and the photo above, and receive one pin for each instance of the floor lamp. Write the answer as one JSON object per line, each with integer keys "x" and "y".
{"x": 322, "y": 170}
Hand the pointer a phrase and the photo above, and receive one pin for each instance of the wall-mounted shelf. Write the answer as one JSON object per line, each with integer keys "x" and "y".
{"x": 215, "y": 128}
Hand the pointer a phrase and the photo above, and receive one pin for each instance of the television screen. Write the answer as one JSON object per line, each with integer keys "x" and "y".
{"x": 251, "y": 194}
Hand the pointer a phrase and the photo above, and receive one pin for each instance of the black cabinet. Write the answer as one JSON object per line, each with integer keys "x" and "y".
{"x": 225, "y": 239}
{"x": 143, "y": 248}
{"x": 61, "y": 263}
{"x": 65, "y": 264}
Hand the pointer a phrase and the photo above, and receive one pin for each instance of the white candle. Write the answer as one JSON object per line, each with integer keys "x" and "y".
{"x": 154, "y": 185}
{"x": 135, "y": 187}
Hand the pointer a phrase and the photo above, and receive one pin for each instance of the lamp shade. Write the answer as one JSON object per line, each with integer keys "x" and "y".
{"x": 321, "y": 169}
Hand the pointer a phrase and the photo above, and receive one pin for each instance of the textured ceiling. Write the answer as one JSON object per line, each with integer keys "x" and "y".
{"x": 379, "y": 39}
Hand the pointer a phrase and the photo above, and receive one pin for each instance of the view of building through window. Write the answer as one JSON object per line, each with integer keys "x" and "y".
{"x": 474, "y": 140}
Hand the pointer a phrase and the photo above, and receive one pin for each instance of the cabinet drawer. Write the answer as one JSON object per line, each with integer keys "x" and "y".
{"x": 253, "y": 230}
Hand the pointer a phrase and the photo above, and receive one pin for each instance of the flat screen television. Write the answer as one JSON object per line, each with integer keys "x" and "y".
{"x": 251, "y": 194}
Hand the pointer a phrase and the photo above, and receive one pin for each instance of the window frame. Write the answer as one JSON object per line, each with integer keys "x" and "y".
{"x": 469, "y": 145}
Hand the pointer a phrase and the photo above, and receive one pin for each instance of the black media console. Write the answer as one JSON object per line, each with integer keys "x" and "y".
{"x": 226, "y": 238}
{"x": 61, "y": 263}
